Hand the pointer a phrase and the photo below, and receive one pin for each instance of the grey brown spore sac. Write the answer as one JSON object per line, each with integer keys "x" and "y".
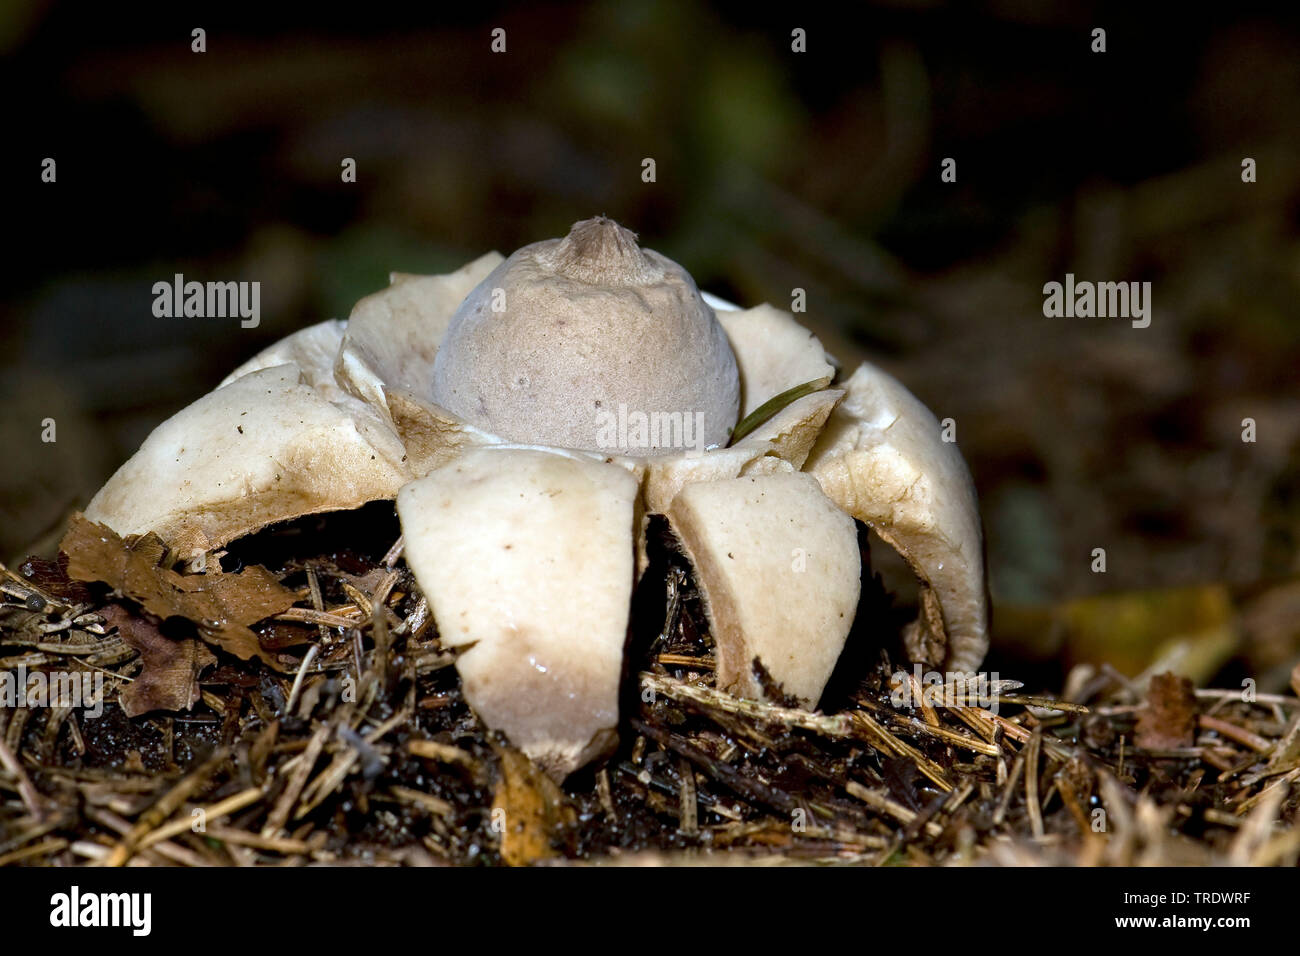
{"x": 586, "y": 324}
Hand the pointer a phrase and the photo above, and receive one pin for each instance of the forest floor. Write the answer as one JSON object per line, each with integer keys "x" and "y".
{"x": 332, "y": 729}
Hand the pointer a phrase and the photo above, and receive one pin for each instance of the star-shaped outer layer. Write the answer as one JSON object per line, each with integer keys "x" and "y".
{"x": 528, "y": 554}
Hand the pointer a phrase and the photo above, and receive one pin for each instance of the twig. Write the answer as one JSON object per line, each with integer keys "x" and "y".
{"x": 32, "y": 798}
{"x": 297, "y": 681}
{"x": 306, "y": 615}
{"x": 1240, "y": 734}
{"x": 1032, "y": 753}
{"x": 395, "y": 552}
{"x": 879, "y": 801}
{"x": 215, "y": 812}
{"x": 838, "y": 725}
{"x": 1017, "y": 766}
{"x": 168, "y": 804}
{"x": 687, "y": 812}
{"x": 297, "y": 779}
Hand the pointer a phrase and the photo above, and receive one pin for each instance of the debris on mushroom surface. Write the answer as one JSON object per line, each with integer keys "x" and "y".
{"x": 481, "y": 401}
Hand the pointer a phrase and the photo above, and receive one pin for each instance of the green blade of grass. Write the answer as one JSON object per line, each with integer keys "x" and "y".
{"x": 770, "y": 407}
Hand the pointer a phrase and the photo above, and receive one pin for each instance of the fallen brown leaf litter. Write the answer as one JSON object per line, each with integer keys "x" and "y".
{"x": 289, "y": 703}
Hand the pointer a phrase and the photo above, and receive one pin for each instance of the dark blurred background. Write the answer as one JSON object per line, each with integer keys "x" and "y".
{"x": 775, "y": 170}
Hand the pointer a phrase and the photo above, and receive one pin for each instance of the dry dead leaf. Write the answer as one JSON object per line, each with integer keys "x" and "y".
{"x": 1168, "y": 721}
{"x": 535, "y": 818}
{"x": 1136, "y": 630}
{"x": 222, "y": 605}
{"x": 169, "y": 678}
{"x": 51, "y": 577}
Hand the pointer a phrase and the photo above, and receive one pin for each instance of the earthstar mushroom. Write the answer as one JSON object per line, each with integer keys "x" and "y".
{"x": 476, "y": 400}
